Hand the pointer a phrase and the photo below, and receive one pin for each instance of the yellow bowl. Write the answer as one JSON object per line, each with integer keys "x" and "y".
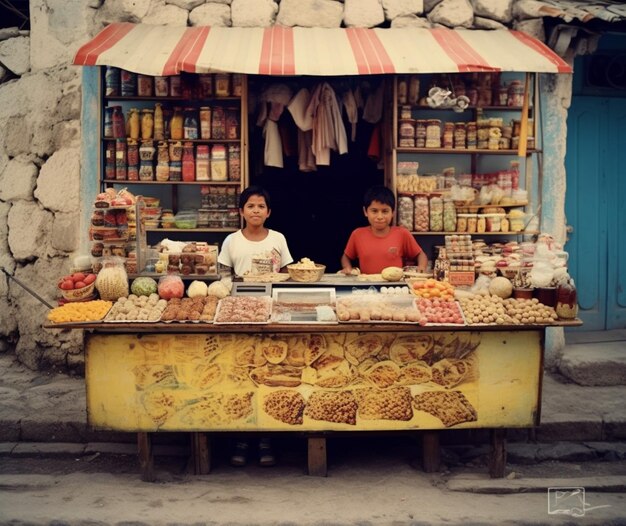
{"x": 306, "y": 275}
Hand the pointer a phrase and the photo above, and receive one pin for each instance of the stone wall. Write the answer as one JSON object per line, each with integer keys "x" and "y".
{"x": 40, "y": 135}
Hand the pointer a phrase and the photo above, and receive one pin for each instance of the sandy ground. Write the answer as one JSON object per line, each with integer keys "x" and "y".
{"x": 374, "y": 483}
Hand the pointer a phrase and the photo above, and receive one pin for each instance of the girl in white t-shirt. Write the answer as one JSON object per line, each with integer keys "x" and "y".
{"x": 254, "y": 249}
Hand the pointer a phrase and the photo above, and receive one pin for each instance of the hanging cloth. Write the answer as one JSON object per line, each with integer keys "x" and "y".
{"x": 352, "y": 111}
{"x": 304, "y": 121}
{"x": 277, "y": 96}
{"x": 373, "y": 110}
{"x": 329, "y": 132}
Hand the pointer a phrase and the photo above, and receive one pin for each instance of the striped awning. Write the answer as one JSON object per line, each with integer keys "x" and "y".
{"x": 277, "y": 50}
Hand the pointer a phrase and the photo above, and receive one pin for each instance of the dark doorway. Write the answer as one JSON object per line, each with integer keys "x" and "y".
{"x": 316, "y": 211}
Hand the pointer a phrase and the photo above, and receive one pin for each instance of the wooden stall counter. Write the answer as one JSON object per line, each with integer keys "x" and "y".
{"x": 201, "y": 378}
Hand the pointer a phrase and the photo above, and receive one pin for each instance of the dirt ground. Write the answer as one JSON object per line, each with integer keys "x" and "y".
{"x": 376, "y": 481}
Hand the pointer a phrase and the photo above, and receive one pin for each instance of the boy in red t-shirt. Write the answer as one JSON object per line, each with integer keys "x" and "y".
{"x": 381, "y": 245}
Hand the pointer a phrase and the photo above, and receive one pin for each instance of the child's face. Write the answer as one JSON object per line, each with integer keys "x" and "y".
{"x": 379, "y": 215}
{"x": 255, "y": 211}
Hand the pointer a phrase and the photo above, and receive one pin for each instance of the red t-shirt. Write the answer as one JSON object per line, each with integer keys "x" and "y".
{"x": 375, "y": 253}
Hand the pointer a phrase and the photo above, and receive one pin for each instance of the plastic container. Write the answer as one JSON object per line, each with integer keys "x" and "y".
{"x": 493, "y": 222}
{"x": 186, "y": 219}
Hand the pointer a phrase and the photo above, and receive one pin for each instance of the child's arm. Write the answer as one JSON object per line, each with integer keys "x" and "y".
{"x": 346, "y": 265}
{"x": 422, "y": 262}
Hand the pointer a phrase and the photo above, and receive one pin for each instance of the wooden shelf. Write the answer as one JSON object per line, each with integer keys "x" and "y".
{"x": 120, "y": 98}
{"x": 463, "y": 151}
{"x": 520, "y": 233}
{"x": 192, "y": 229}
{"x": 126, "y": 182}
{"x": 422, "y": 107}
{"x": 196, "y": 141}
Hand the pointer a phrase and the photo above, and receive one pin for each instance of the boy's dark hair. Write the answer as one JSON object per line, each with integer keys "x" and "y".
{"x": 379, "y": 193}
{"x": 254, "y": 190}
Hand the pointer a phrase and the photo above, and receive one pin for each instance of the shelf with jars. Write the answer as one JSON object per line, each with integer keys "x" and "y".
{"x": 456, "y": 151}
{"x": 181, "y": 136}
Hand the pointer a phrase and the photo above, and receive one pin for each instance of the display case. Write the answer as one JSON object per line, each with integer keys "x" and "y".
{"x": 455, "y": 138}
{"x": 180, "y": 141}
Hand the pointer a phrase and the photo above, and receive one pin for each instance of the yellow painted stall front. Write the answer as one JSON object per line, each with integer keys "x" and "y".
{"x": 311, "y": 381}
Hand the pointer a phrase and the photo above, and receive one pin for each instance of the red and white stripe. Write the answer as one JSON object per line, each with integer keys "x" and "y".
{"x": 279, "y": 51}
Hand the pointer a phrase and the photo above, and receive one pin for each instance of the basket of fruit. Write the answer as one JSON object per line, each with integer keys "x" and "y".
{"x": 77, "y": 286}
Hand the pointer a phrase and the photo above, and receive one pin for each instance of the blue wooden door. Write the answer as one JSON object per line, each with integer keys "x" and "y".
{"x": 596, "y": 191}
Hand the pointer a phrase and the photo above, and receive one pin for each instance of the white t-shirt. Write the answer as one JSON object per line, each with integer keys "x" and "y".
{"x": 241, "y": 254}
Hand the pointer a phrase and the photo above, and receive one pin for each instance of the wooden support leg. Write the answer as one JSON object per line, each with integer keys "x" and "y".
{"x": 317, "y": 456}
{"x": 200, "y": 454}
{"x": 497, "y": 459}
{"x": 146, "y": 458}
{"x": 431, "y": 454}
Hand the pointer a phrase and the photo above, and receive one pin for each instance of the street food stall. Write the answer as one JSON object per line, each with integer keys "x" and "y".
{"x": 460, "y": 347}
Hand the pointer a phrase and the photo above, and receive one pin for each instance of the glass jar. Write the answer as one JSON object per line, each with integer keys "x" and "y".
{"x": 163, "y": 162}
{"x": 145, "y": 85}
{"x": 436, "y": 213}
{"x": 161, "y": 86}
{"x": 175, "y": 86}
{"x": 206, "y": 85}
{"x": 176, "y": 124}
{"x": 449, "y": 215}
{"x": 120, "y": 160}
{"x": 448, "y": 135}
{"x": 189, "y": 163}
{"x": 433, "y": 133}
{"x": 218, "y": 123}
{"x": 176, "y": 151}
{"x": 159, "y": 125}
{"x": 147, "y": 124}
{"x": 109, "y": 163}
{"x": 237, "y": 84}
{"x": 421, "y": 213}
{"x": 232, "y": 123}
{"x": 133, "y": 123}
{"x": 222, "y": 84}
{"x": 460, "y": 135}
{"x": 234, "y": 162}
{"x": 566, "y": 301}
{"x": 202, "y": 163}
{"x": 406, "y": 133}
{"x": 405, "y": 212}
{"x": 119, "y": 125}
{"x": 219, "y": 171}
{"x": 112, "y": 82}
{"x": 205, "y": 122}
{"x": 128, "y": 81}
{"x": 190, "y": 124}
{"x": 403, "y": 90}
{"x": 146, "y": 171}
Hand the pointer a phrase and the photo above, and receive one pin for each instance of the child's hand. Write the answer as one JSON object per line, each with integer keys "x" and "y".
{"x": 347, "y": 271}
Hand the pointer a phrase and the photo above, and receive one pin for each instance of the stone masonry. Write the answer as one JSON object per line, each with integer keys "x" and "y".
{"x": 40, "y": 135}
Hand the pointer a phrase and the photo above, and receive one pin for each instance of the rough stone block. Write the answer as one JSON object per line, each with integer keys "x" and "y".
{"x": 15, "y": 54}
{"x": 522, "y": 453}
{"x": 500, "y": 10}
{"x": 595, "y": 364}
{"x": 7, "y": 447}
{"x": 171, "y": 15}
{"x": 253, "y": 13}
{"x": 452, "y": 13}
{"x": 572, "y": 427}
{"x": 363, "y": 13}
{"x": 111, "y": 448}
{"x": 36, "y": 430}
{"x": 310, "y": 13}
{"x": 395, "y": 8}
{"x": 9, "y": 429}
{"x": 18, "y": 136}
{"x": 410, "y": 21}
{"x": 211, "y": 15}
{"x": 18, "y": 179}
{"x": 65, "y": 232}
{"x": 58, "y": 181}
{"x": 28, "y": 228}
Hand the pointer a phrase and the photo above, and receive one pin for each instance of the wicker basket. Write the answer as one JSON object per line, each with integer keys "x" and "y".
{"x": 79, "y": 294}
{"x": 306, "y": 275}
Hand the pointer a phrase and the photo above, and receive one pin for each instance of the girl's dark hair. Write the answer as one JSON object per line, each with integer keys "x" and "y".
{"x": 254, "y": 190}
{"x": 379, "y": 193}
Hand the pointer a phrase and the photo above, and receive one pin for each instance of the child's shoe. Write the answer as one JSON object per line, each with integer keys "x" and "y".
{"x": 240, "y": 454}
{"x": 266, "y": 453}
